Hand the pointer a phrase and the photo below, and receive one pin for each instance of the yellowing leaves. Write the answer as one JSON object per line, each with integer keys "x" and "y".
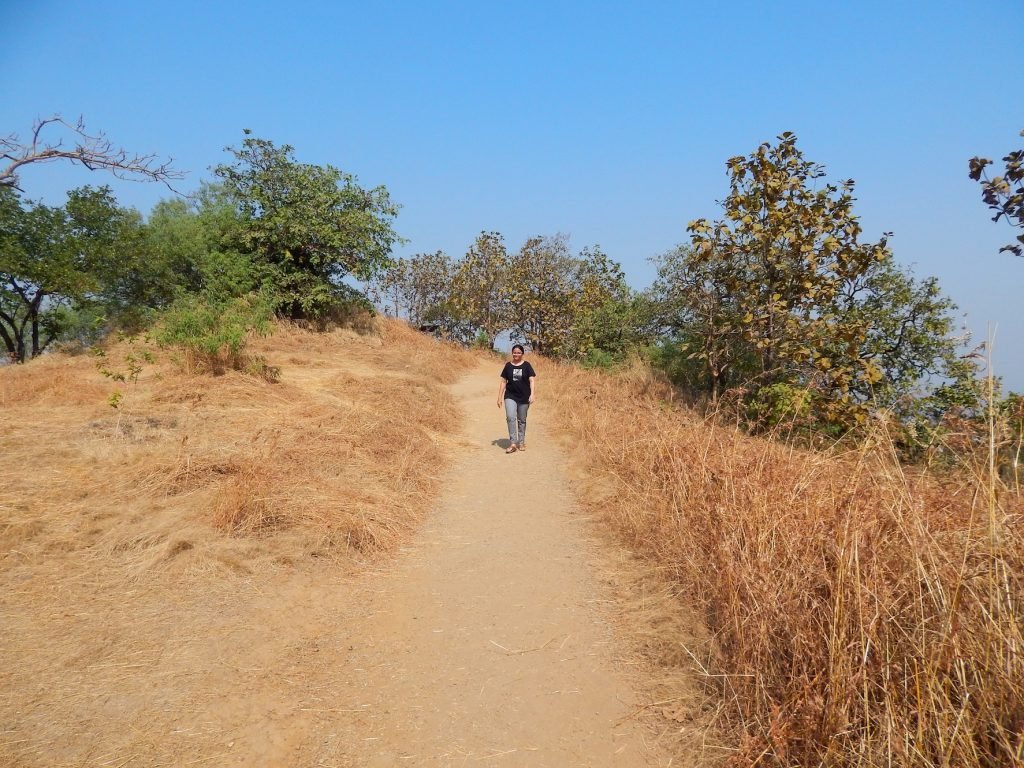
{"x": 872, "y": 373}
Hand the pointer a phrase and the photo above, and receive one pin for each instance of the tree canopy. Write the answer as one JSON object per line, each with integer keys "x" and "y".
{"x": 781, "y": 292}
{"x": 308, "y": 226}
{"x": 479, "y": 285}
{"x": 55, "y": 260}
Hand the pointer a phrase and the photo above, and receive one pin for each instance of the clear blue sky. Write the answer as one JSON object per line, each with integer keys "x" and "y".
{"x": 610, "y": 122}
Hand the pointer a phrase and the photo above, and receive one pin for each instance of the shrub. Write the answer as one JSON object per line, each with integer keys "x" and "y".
{"x": 598, "y": 358}
{"x": 213, "y": 334}
{"x": 777, "y": 404}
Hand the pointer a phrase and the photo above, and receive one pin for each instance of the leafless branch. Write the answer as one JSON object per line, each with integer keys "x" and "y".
{"x": 93, "y": 151}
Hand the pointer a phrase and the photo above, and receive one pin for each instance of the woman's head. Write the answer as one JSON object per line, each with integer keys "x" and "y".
{"x": 517, "y": 351}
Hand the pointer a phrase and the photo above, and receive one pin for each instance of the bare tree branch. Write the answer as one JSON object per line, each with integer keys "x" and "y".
{"x": 93, "y": 151}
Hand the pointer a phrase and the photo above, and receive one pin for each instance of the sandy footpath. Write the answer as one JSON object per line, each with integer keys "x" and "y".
{"x": 485, "y": 645}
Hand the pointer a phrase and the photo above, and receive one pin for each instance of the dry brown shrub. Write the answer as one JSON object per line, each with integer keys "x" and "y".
{"x": 862, "y": 614}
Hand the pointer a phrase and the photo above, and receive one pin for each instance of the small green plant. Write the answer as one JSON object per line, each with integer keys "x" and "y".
{"x": 127, "y": 371}
{"x": 599, "y": 358}
{"x": 482, "y": 341}
{"x": 778, "y": 403}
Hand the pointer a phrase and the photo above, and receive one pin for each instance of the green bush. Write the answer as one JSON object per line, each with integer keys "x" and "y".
{"x": 599, "y": 358}
{"x": 778, "y": 403}
{"x": 483, "y": 341}
{"x": 213, "y": 334}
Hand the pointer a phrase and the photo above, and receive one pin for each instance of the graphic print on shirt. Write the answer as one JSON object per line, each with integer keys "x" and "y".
{"x": 517, "y": 374}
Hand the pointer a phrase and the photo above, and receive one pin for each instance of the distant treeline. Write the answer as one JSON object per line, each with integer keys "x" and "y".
{"x": 776, "y": 312}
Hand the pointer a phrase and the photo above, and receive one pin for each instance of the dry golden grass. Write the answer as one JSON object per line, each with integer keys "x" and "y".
{"x": 337, "y": 453}
{"x": 335, "y": 456}
{"x": 125, "y": 534}
{"x": 861, "y": 614}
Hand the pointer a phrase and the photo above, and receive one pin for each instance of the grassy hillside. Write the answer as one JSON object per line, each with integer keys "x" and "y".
{"x": 149, "y": 553}
{"x": 333, "y": 460}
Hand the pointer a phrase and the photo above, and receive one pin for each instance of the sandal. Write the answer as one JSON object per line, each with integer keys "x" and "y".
{"x": 511, "y": 449}
{"x": 522, "y": 446}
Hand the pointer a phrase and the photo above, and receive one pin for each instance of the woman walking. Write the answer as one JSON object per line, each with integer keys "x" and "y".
{"x": 516, "y": 391}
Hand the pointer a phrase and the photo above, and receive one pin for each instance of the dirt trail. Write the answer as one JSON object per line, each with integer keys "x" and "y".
{"x": 486, "y": 645}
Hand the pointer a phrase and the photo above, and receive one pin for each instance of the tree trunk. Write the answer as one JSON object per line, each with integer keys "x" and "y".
{"x": 12, "y": 350}
{"x": 35, "y": 336}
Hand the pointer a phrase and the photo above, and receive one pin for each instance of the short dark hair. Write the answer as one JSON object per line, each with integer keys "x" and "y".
{"x": 519, "y": 347}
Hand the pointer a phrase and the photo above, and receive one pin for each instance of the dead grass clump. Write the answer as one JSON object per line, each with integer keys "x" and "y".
{"x": 246, "y": 504}
{"x": 52, "y": 380}
{"x": 861, "y": 614}
{"x": 355, "y": 476}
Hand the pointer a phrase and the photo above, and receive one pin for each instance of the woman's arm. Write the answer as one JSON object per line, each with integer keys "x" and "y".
{"x": 533, "y": 388}
{"x": 501, "y": 391}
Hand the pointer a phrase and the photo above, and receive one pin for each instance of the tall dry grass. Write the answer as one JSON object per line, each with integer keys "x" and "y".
{"x": 863, "y": 614}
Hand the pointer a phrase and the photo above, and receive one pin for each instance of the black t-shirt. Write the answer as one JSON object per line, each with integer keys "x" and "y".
{"x": 517, "y": 381}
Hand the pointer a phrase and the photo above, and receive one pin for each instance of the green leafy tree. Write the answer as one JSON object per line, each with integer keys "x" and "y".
{"x": 480, "y": 284}
{"x": 160, "y": 259}
{"x": 1004, "y": 194}
{"x": 539, "y": 293}
{"x": 704, "y": 343}
{"x": 906, "y": 328}
{"x": 54, "y": 262}
{"x": 310, "y": 225}
{"x": 908, "y": 331}
{"x": 187, "y": 247}
{"x": 225, "y": 270}
{"x": 780, "y": 297}
{"x": 608, "y": 318}
{"x": 569, "y": 306}
{"x": 788, "y": 245}
{"x": 207, "y": 291}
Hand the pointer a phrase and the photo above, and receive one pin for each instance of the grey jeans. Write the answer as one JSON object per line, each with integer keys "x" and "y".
{"x": 515, "y": 415}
